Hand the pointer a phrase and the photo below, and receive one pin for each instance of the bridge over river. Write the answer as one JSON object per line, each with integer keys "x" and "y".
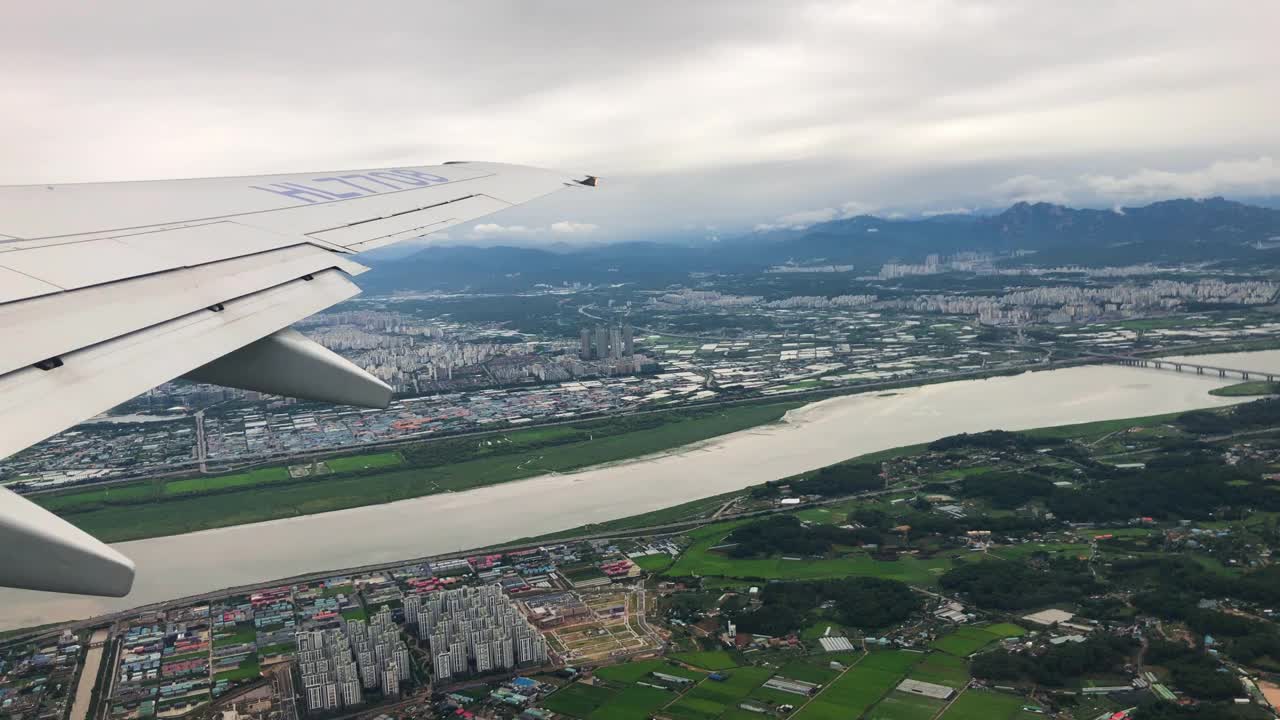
{"x": 1188, "y": 367}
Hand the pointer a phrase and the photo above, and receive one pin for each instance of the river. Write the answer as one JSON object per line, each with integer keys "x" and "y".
{"x": 809, "y": 437}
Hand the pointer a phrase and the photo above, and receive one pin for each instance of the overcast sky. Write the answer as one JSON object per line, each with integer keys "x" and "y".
{"x": 702, "y": 117}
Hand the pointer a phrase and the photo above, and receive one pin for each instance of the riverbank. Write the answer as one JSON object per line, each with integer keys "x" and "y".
{"x": 172, "y": 506}
{"x": 814, "y": 436}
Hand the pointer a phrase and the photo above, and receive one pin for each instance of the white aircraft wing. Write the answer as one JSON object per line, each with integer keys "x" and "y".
{"x": 109, "y": 289}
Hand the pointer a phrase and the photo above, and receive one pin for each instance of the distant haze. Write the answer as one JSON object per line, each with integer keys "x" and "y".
{"x": 704, "y": 118}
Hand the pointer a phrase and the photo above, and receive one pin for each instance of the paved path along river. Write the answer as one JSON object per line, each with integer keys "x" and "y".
{"x": 810, "y": 437}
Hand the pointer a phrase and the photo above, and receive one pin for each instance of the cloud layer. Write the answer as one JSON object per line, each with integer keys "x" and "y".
{"x": 735, "y": 113}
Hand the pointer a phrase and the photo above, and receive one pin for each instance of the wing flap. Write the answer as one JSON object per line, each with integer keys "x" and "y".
{"x": 76, "y": 265}
{"x": 57, "y": 324}
{"x": 16, "y": 286}
{"x": 420, "y": 221}
{"x": 36, "y": 403}
{"x": 200, "y": 244}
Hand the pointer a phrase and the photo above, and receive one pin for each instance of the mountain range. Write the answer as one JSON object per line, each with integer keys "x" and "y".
{"x": 1212, "y": 230}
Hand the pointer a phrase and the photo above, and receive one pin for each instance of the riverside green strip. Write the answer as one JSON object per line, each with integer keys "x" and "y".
{"x": 158, "y": 507}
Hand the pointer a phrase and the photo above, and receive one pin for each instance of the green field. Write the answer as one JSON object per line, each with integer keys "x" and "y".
{"x": 700, "y": 560}
{"x": 941, "y": 669}
{"x": 895, "y": 661}
{"x": 578, "y": 700}
{"x": 1102, "y": 427}
{"x": 197, "y": 485}
{"x": 1246, "y": 389}
{"x": 1005, "y": 630}
{"x": 904, "y": 706}
{"x": 1055, "y": 550}
{"x": 676, "y": 513}
{"x": 984, "y": 705}
{"x": 280, "y": 649}
{"x": 247, "y": 671}
{"x": 639, "y": 670}
{"x": 364, "y": 462}
{"x": 965, "y": 641}
{"x": 653, "y": 563}
{"x": 633, "y": 703}
{"x": 708, "y": 659}
{"x": 140, "y": 491}
{"x": 243, "y": 633}
{"x": 168, "y": 507}
{"x": 852, "y": 695}
{"x": 710, "y": 698}
{"x": 813, "y": 670}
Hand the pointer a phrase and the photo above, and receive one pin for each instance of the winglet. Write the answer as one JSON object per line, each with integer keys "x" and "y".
{"x": 287, "y": 363}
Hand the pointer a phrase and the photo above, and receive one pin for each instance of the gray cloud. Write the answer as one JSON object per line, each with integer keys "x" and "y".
{"x": 734, "y": 113}
{"x": 1251, "y": 177}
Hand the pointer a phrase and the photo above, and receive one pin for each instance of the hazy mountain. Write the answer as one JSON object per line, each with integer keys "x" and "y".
{"x": 502, "y": 267}
{"x": 1169, "y": 231}
{"x": 1209, "y": 230}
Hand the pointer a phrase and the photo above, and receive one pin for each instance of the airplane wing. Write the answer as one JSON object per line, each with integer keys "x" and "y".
{"x": 109, "y": 289}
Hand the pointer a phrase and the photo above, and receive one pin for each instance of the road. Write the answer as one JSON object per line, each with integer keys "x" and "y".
{"x": 282, "y": 685}
{"x": 201, "y": 447}
{"x": 89, "y": 676}
{"x": 641, "y": 620}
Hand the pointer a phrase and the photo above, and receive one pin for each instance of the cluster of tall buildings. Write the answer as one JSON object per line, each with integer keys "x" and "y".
{"x": 474, "y": 630}
{"x": 604, "y": 342}
{"x": 338, "y": 665}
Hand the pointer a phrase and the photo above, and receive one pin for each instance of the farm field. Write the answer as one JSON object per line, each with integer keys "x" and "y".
{"x": 1005, "y": 630}
{"x": 965, "y": 641}
{"x": 902, "y": 706}
{"x": 633, "y": 703}
{"x": 708, "y": 659}
{"x": 711, "y": 699}
{"x": 861, "y": 687}
{"x": 578, "y": 700}
{"x": 699, "y": 559}
{"x": 984, "y": 705}
{"x": 633, "y": 672}
{"x": 1017, "y": 552}
{"x": 941, "y": 668}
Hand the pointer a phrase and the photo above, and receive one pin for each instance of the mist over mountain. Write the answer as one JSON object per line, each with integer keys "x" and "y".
{"x": 1212, "y": 230}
